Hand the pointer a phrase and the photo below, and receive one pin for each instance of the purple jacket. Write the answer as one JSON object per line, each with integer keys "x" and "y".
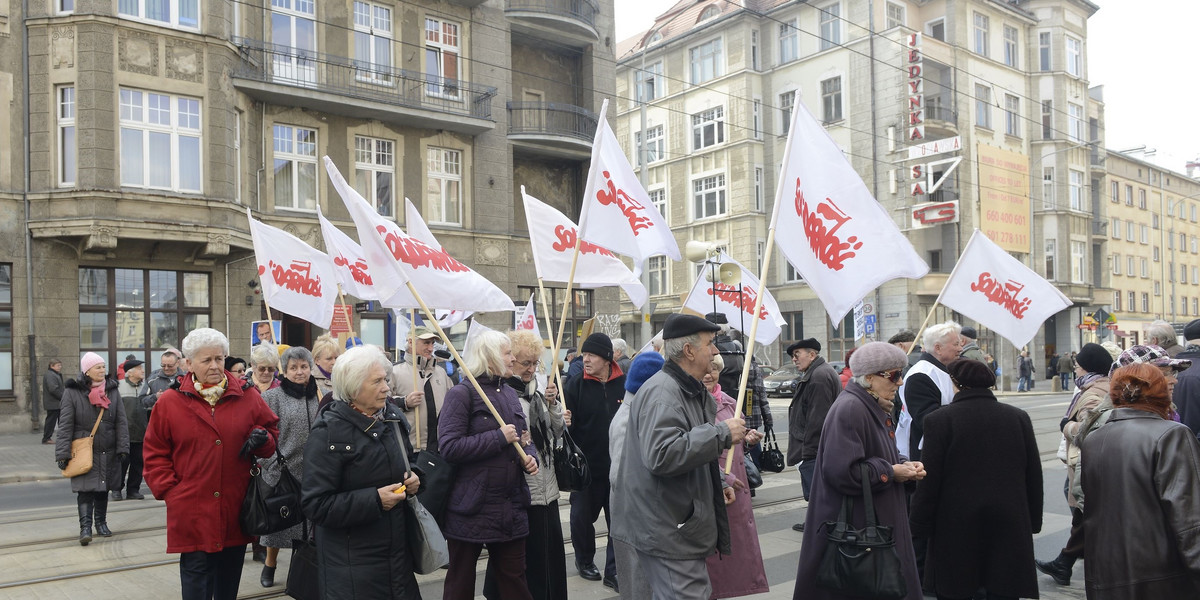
{"x": 489, "y": 496}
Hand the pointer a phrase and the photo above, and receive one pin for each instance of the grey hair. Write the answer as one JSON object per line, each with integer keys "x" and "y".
{"x": 939, "y": 333}
{"x": 673, "y": 348}
{"x": 484, "y": 353}
{"x": 264, "y": 354}
{"x": 353, "y": 367}
{"x": 619, "y": 345}
{"x": 720, "y": 362}
{"x": 205, "y": 337}
{"x": 860, "y": 380}
{"x": 1160, "y": 333}
{"x": 296, "y": 353}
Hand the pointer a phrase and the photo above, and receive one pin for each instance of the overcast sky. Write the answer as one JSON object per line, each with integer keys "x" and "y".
{"x": 1145, "y": 53}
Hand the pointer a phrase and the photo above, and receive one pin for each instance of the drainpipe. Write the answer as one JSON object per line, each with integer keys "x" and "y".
{"x": 34, "y": 401}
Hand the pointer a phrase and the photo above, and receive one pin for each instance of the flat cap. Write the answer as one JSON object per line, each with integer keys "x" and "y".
{"x": 131, "y": 364}
{"x": 716, "y": 317}
{"x": 969, "y": 332}
{"x": 1191, "y": 331}
{"x": 680, "y": 325}
{"x": 806, "y": 344}
{"x": 903, "y": 337}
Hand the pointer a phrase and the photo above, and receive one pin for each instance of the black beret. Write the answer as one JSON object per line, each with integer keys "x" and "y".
{"x": 716, "y": 317}
{"x": 232, "y": 360}
{"x": 680, "y": 325}
{"x": 903, "y": 337}
{"x": 131, "y": 364}
{"x": 810, "y": 344}
{"x": 971, "y": 374}
{"x": 1191, "y": 331}
{"x": 1094, "y": 359}
{"x": 969, "y": 332}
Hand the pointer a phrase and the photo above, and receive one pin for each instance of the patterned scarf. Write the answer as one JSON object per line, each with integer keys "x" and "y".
{"x": 211, "y": 393}
{"x": 97, "y": 396}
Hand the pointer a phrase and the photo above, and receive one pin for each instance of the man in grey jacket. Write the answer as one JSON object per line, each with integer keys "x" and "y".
{"x": 52, "y": 391}
{"x": 672, "y": 505}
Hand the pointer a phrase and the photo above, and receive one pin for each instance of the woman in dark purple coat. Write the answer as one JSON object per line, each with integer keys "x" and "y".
{"x": 489, "y": 496}
{"x": 859, "y": 430}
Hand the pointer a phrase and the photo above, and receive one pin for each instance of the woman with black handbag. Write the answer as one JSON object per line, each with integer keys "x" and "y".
{"x": 859, "y": 437}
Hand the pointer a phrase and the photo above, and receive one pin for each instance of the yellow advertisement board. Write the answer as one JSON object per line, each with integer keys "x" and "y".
{"x": 1004, "y": 197}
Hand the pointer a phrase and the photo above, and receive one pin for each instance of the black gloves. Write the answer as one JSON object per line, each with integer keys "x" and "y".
{"x": 123, "y": 456}
{"x": 62, "y": 464}
{"x": 256, "y": 439}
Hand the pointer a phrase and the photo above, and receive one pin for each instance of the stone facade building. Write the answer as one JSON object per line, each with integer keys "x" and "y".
{"x": 139, "y": 133}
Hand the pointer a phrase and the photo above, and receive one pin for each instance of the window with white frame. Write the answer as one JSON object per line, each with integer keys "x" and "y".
{"x": 1116, "y": 228}
{"x": 375, "y": 173}
{"x": 373, "y": 41}
{"x": 1117, "y": 300}
{"x": 787, "y": 101}
{"x": 1170, "y": 207}
{"x": 67, "y": 149}
{"x": 708, "y": 196}
{"x": 1141, "y": 198}
{"x": 1132, "y": 301}
{"x": 1128, "y": 195}
{"x": 443, "y": 51}
{"x": 831, "y": 25}
{"x": 981, "y": 34}
{"x": 709, "y": 13}
{"x": 754, "y": 49}
{"x": 1145, "y": 265}
{"x": 65, "y": 6}
{"x": 760, "y": 251}
{"x": 983, "y": 106}
{"x": 791, "y": 275}
{"x": 1051, "y": 258}
{"x": 705, "y": 61}
{"x": 1130, "y": 231}
{"x": 1078, "y": 261}
{"x": 1183, "y": 305}
{"x": 1116, "y": 264}
{"x": 658, "y": 197}
{"x": 1115, "y": 188}
{"x": 1157, "y": 254}
{"x": 655, "y": 144}
{"x": 1154, "y": 221}
{"x": 295, "y": 167}
{"x": 1193, "y": 243}
{"x": 1193, "y": 213}
{"x": 831, "y": 100}
{"x": 1195, "y": 273}
{"x": 1145, "y": 302}
{"x": 936, "y": 29}
{"x": 180, "y": 14}
{"x": 756, "y": 118}
{"x": 294, "y": 29}
{"x": 1075, "y": 122}
{"x": 443, "y": 189}
{"x": 1047, "y": 120}
{"x": 1076, "y": 189}
{"x": 160, "y": 141}
{"x": 1044, "y": 50}
{"x": 656, "y": 271}
{"x": 1048, "y": 188}
{"x": 649, "y": 82}
{"x": 758, "y": 189}
{"x": 1196, "y": 306}
{"x": 1157, "y": 288}
{"x": 1131, "y": 262}
{"x": 1074, "y": 57}
{"x": 708, "y": 128}
{"x": 895, "y": 15}
{"x": 1010, "y": 46}
{"x": 1012, "y": 115}
{"x": 789, "y": 41}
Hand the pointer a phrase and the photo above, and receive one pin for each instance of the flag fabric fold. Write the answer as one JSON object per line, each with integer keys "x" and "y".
{"x": 296, "y": 278}
{"x": 829, "y": 227}
{"x": 705, "y": 294}
{"x": 349, "y": 262}
{"x": 527, "y": 318}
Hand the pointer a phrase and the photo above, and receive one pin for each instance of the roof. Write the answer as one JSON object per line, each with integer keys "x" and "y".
{"x": 683, "y": 17}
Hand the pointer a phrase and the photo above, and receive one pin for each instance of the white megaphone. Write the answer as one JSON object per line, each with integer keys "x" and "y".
{"x": 696, "y": 251}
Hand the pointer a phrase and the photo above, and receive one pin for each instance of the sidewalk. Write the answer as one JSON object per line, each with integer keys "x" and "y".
{"x": 23, "y": 457}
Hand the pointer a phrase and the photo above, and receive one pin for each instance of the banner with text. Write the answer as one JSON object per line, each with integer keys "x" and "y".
{"x": 1004, "y": 197}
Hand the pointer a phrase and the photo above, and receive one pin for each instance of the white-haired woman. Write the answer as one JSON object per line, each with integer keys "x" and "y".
{"x": 264, "y": 366}
{"x": 295, "y": 402}
{"x": 325, "y": 352}
{"x": 489, "y": 496}
{"x": 355, "y": 482}
{"x": 197, "y": 450}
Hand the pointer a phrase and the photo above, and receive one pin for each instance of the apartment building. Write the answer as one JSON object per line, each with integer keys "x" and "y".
{"x": 152, "y": 126}
{"x": 945, "y": 109}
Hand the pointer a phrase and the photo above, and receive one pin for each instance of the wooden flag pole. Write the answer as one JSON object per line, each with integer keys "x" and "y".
{"x": 917, "y": 339}
{"x": 554, "y": 357}
{"x": 269, "y": 317}
{"x": 562, "y": 321}
{"x": 470, "y": 376}
{"x": 749, "y": 346}
{"x": 412, "y": 355}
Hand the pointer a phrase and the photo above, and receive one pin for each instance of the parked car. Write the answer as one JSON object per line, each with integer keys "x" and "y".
{"x": 782, "y": 382}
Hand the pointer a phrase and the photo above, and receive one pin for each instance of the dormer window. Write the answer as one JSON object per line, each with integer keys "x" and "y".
{"x": 708, "y": 13}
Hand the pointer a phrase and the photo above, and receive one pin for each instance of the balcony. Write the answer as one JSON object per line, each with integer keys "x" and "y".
{"x": 341, "y": 86}
{"x": 466, "y": 3}
{"x": 1099, "y": 229}
{"x": 552, "y": 128}
{"x": 570, "y": 22}
{"x": 939, "y": 117}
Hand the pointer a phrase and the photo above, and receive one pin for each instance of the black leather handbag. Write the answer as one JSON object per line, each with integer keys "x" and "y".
{"x": 771, "y": 458}
{"x": 861, "y": 562}
{"x": 302, "y": 577}
{"x": 266, "y": 508}
{"x": 437, "y": 477}
{"x": 570, "y": 465}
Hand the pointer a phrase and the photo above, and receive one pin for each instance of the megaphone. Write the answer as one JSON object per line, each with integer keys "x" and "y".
{"x": 728, "y": 274}
{"x": 696, "y": 251}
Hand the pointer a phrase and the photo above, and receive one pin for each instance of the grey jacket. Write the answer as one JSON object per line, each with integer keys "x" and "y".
{"x": 543, "y": 487}
{"x": 52, "y": 389}
{"x": 818, "y": 387}
{"x": 671, "y": 505}
{"x": 971, "y": 351}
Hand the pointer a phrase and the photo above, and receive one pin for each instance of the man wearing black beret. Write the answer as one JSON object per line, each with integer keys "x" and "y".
{"x": 970, "y": 349}
{"x": 1187, "y": 388}
{"x": 818, "y": 387}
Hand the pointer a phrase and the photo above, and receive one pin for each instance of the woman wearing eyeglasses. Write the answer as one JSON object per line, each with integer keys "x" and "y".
{"x": 859, "y": 430}
{"x": 264, "y": 365}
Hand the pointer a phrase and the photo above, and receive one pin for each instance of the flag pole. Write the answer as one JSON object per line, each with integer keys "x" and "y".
{"x": 412, "y": 350}
{"x": 454, "y": 351}
{"x": 749, "y": 346}
{"x": 554, "y": 357}
{"x": 269, "y": 317}
{"x": 939, "y": 298}
{"x": 917, "y": 338}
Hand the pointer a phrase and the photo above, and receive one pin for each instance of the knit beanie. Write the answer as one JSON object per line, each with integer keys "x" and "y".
{"x": 643, "y": 367}
{"x": 1094, "y": 359}
{"x": 88, "y": 361}
{"x": 970, "y": 374}
{"x": 598, "y": 344}
{"x": 877, "y": 357}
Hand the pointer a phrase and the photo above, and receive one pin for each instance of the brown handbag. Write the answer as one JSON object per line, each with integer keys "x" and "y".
{"x": 81, "y": 452}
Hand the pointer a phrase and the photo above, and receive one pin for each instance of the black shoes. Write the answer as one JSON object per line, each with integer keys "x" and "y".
{"x": 588, "y": 571}
{"x": 798, "y": 527}
{"x": 116, "y": 495}
{"x": 268, "y": 576}
{"x": 134, "y": 496}
{"x": 85, "y": 536}
{"x": 611, "y": 582}
{"x": 1059, "y": 569}
{"x": 103, "y": 530}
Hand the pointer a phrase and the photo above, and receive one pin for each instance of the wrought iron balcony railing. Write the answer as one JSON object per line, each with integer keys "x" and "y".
{"x": 583, "y": 10}
{"x": 552, "y": 118}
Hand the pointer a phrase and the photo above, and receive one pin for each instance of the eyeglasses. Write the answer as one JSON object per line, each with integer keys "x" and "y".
{"x": 892, "y": 376}
{"x": 525, "y": 364}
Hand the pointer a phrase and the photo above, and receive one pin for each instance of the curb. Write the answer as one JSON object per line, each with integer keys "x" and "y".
{"x": 28, "y": 477}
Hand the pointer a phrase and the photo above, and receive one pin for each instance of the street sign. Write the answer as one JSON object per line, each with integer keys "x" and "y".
{"x": 1101, "y": 316}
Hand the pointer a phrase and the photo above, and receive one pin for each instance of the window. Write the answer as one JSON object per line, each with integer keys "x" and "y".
{"x": 831, "y": 26}
{"x": 1195, "y": 274}
{"x": 295, "y": 167}
{"x": 658, "y": 197}
{"x": 1117, "y": 300}
{"x": 66, "y": 136}
{"x": 1074, "y": 57}
{"x": 656, "y": 144}
{"x": 754, "y": 49}
{"x": 6, "y": 339}
{"x": 758, "y": 191}
{"x": 791, "y": 274}
{"x": 1076, "y": 189}
{"x": 1047, "y": 120}
{"x": 1012, "y": 115}
{"x": 1116, "y": 264}
{"x": 1157, "y": 254}
{"x": 708, "y": 128}
{"x": 981, "y": 34}
{"x": 793, "y": 328}
{"x": 789, "y": 42}
{"x": 1116, "y": 228}
{"x": 656, "y": 270}
{"x": 294, "y": 29}
{"x": 787, "y": 102}
{"x": 1193, "y": 244}
{"x": 708, "y": 13}
{"x": 139, "y": 312}
{"x": 1145, "y": 302}
{"x": 708, "y": 196}
{"x": 172, "y": 13}
{"x": 1130, "y": 264}
{"x": 1170, "y": 207}
{"x": 1132, "y": 301}
{"x": 936, "y": 29}
{"x": 1130, "y": 231}
{"x": 160, "y": 141}
{"x": 760, "y": 249}
{"x": 66, "y": 6}
{"x": 1193, "y": 212}
{"x": 983, "y": 106}
{"x": 706, "y": 61}
{"x": 442, "y": 51}
{"x": 1142, "y": 199}
{"x": 1157, "y": 288}
{"x": 831, "y": 100}
{"x": 1051, "y": 258}
{"x": 1078, "y": 261}
{"x": 895, "y": 15}
{"x": 648, "y": 82}
{"x": 1116, "y": 191}
{"x": 373, "y": 41}
{"x": 375, "y": 172}
{"x": 1010, "y": 46}
{"x": 1145, "y": 265}
{"x": 756, "y": 117}
{"x": 1128, "y": 195}
{"x": 1196, "y": 306}
{"x": 1044, "y": 51}
{"x": 1183, "y": 270}
{"x": 444, "y": 186}
{"x": 1048, "y": 188}
{"x": 1075, "y": 122}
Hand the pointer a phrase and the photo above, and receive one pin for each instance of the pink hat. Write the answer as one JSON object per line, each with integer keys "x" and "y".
{"x": 88, "y": 361}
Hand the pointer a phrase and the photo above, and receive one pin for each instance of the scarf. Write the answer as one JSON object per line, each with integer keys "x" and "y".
{"x": 297, "y": 390}
{"x": 97, "y": 396}
{"x": 539, "y": 418}
{"x": 211, "y": 393}
{"x": 378, "y": 416}
{"x": 327, "y": 374}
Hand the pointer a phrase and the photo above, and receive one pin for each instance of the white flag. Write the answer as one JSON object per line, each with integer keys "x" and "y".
{"x": 737, "y": 310}
{"x": 617, "y": 212}
{"x": 349, "y": 262}
{"x": 473, "y": 332}
{"x": 552, "y": 236}
{"x": 296, "y": 278}
{"x": 419, "y": 230}
{"x": 416, "y": 225}
{"x": 395, "y": 258}
{"x": 829, "y": 227}
{"x": 527, "y": 319}
{"x": 990, "y": 286}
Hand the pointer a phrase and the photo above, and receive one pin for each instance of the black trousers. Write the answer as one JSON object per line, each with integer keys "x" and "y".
{"x": 545, "y": 558}
{"x": 1074, "y": 547}
{"x": 212, "y": 575}
{"x": 51, "y": 423}
{"x": 507, "y": 558}
{"x": 132, "y": 465}
{"x": 585, "y": 509}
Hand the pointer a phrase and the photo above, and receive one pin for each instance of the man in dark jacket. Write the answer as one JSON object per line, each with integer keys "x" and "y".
{"x": 136, "y": 416}
{"x": 970, "y": 349}
{"x": 818, "y": 387}
{"x": 161, "y": 379}
{"x": 928, "y": 386}
{"x": 52, "y": 391}
{"x": 593, "y": 397}
{"x": 1187, "y": 387}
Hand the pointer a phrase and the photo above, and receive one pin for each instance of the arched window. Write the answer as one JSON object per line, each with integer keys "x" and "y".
{"x": 708, "y": 13}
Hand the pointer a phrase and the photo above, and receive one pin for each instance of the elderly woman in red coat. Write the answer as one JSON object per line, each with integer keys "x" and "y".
{"x": 198, "y": 449}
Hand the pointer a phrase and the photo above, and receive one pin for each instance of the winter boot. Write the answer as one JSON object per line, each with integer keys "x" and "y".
{"x": 1059, "y": 568}
{"x": 84, "y": 500}
{"x": 101, "y": 501}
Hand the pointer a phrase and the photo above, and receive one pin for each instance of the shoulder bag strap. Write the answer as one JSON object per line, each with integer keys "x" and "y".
{"x": 97, "y": 425}
{"x": 403, "y": 453}
{"x": 868, "y": 498}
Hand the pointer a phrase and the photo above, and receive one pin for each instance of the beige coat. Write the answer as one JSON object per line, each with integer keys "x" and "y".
{"x": 1089, "y": 402}
{"x": 402, "y": 385}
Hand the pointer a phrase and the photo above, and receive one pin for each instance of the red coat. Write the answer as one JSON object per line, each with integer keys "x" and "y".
{"x": 191, "y": 461}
